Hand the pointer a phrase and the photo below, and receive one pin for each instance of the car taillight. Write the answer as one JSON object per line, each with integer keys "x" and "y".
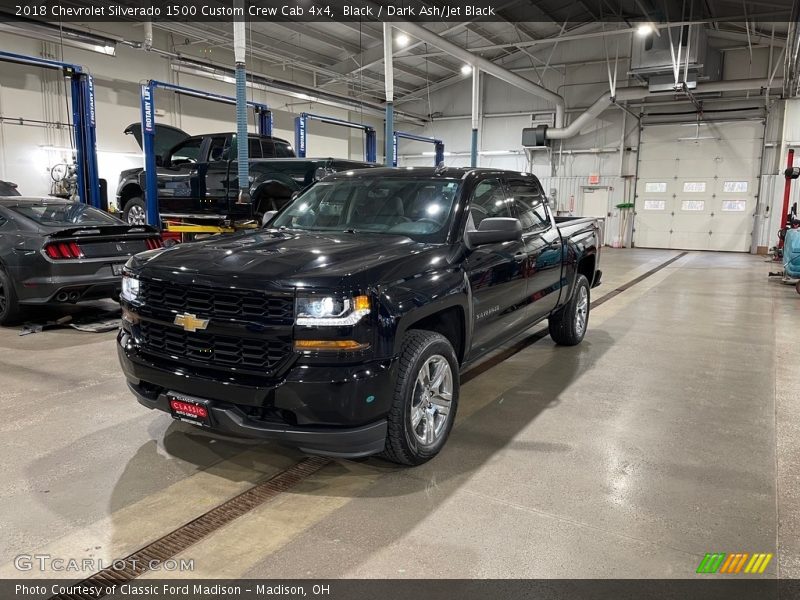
{"x": 154, "y": 243}
{"x": 63, "y": 250}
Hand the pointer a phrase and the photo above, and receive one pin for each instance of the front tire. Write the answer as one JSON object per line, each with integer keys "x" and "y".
{"x": 135, "y": 212}
{"x": 568, "y": 325}
{"x": 425, "y": 399}
{"x": 10, "y": 310}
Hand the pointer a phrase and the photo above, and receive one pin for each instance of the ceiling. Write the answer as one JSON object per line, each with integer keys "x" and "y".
{"x": 351, "y": 54}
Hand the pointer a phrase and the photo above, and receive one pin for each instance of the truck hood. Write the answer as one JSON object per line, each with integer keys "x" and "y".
{"x": 166, "y": 137}
{"x": 270, "y": 258}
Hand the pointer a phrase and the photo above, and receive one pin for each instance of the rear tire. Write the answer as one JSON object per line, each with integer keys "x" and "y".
{"x": 425, "y": 399}
{"x": 568, "y": 325}
{"x": 135, "y": 212}
{"x": 10, "y": 310}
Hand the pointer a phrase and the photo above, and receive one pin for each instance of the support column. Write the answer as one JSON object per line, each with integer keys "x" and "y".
{"x": 388, "y": 67}
{"x": 476, "y": 94}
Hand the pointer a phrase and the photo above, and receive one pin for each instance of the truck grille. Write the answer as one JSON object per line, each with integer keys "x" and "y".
{"x": 218, "y": 303}
{"x": 214, "y": 350}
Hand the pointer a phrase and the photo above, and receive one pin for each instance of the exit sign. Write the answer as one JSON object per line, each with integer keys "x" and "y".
{"x": 594, "y": 178}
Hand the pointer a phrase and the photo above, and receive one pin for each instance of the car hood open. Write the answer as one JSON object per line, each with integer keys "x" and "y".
{"x": 167, "y": 136}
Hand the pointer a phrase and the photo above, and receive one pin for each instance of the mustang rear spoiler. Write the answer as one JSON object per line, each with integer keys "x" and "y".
{"x": 88, "y": 230}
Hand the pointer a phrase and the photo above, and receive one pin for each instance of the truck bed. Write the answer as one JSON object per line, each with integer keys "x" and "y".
{"x": 580, "y": 230}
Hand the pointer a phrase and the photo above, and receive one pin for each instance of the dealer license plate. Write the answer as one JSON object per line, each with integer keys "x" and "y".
{"x": 189, "y": 410}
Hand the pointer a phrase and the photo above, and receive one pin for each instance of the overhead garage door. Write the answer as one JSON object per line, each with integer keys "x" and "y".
{"x": 697, "y": 185}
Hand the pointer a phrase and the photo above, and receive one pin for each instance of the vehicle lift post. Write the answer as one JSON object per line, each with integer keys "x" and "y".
{"x": 83, "y": 119}
{"x": 301, "y": 134}
{"x": 437, "y": 144}
{"x": 263, "y": 120}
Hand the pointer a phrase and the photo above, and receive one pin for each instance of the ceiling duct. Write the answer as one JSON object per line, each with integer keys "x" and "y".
{"x": 538, "y": 136}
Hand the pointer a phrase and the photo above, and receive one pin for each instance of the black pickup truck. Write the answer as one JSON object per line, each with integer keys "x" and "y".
{"x": 342, "y": 326}
{"x": 198, "y": 176}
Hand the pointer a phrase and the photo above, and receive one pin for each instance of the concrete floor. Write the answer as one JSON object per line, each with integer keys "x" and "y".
{"x": 672, "y": 431}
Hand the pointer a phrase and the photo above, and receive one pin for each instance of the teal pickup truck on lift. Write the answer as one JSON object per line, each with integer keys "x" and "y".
{"x": 198, "y": 176}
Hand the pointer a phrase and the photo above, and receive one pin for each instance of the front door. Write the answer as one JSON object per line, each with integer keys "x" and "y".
{"x": 542, "y": 245}
{"x": 181, "y": 179}
{"x": 496, "y": 272}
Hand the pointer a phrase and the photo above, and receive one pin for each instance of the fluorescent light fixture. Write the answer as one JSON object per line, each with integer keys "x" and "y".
{"x": 466, "y": 69}
{"x": 402, "y": 40}
{"x": 645, "y": 29}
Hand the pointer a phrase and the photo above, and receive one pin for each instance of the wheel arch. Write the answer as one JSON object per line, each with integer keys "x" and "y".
{"x": 447, "y": 319}
{"x": 129, "y": 190}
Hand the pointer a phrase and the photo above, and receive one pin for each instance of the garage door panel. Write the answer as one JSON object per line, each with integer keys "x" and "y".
{"x": 737, "y": 169}
{"x": 688, "y": 240}
{"x": 709, "y": 186}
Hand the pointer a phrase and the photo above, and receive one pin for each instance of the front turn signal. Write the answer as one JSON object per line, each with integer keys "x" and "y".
{"x": 311, "y": 345}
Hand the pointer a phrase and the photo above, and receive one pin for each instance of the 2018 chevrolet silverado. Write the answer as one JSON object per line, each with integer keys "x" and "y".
{"x": 342, "y": 326}
{"x": 198, "y": 177}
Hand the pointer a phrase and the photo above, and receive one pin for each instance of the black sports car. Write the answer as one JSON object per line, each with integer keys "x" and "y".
{"x": 55, "y": 251}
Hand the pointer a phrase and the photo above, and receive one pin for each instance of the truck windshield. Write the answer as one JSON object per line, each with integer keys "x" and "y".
{"x": 418, "y": 208}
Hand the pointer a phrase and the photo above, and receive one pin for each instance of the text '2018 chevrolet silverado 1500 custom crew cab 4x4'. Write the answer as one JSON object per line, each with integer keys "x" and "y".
{"x": 341, "y": 328}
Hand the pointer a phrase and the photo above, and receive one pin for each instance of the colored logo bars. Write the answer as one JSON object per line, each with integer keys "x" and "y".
{"x": 740, "y": 562}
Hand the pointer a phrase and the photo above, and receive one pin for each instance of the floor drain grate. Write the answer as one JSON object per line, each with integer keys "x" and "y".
{"x": 175, "y": 542}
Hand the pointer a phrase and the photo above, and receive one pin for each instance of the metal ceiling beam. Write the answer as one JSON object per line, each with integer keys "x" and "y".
{"x": 485, "y": 66}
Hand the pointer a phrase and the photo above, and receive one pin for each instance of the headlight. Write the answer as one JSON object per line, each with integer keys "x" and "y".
{"x": 318, "y": 311}
{"x": 130, "y": 288}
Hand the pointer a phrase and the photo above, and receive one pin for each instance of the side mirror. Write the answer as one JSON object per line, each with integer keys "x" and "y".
{"x": 295, "y": 195}
{"x": 268, "y": 217}
{"x": 494, "y": 230}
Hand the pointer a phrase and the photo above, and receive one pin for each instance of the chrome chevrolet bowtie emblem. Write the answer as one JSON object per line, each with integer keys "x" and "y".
{"x": 190, "y": 322}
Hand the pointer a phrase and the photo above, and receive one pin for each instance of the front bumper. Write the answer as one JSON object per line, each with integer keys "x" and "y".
{"x": 332, "y": 411}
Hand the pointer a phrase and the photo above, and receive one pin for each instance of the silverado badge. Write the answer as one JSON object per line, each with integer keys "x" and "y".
{"x": 190, "y": 322}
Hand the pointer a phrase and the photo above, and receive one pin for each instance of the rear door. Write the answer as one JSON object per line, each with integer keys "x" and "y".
{"x": 496, "y": 272}
{"x": 542, "y": 245}
{"x": 217, "y": 173}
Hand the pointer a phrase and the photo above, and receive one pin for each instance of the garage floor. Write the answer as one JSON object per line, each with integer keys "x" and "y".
{"x": 672, "y": 431}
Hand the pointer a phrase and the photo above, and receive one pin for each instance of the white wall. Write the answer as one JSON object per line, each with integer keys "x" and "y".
{"x": 579, "y": 73}
{"x": 33, "y": 93}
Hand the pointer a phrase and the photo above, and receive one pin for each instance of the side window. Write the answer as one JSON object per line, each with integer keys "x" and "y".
{"x": 488, "y": 200}
{"x": 187, "y": 152}
{"x": 254, "y": 148}
{"x": 268, "y": 148}
{"x": 216, "y": 150}
{"x": 529, "y": 204}
{"x": 283, "y": 150}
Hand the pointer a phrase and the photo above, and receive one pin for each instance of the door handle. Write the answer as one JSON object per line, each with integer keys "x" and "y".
{"x": 520, "y": 256}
